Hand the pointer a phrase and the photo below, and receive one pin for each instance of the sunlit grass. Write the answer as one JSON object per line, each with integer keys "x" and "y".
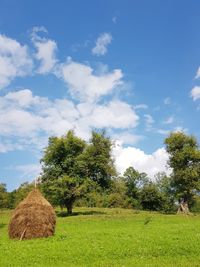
{"x": 108, "y": 237}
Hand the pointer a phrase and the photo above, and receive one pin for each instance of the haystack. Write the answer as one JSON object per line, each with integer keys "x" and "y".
{"x": 34, "y": 217}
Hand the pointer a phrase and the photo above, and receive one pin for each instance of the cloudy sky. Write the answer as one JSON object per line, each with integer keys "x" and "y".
{"x": 130, "y": 67}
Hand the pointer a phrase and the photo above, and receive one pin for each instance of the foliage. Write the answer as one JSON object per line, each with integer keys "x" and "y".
{"x": 184, "y": 159}
{"x": 96, "y": 161}
{"x": 134, "y": 180}
{"x": 60, "y": 180}
{"x": 150, "y": 197}
{"x": 3, "y": 196}
{"x": 71, "y": 167}
{"x": 164, "y": 184}
{"x": 65, "y": 190}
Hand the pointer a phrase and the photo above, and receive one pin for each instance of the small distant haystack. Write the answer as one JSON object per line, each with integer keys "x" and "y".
{"x": 34, "y": 217}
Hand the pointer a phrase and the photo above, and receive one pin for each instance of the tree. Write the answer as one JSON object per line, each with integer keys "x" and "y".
{"x": 70, "y": 164}
{"x": 150, "y": 197}
{"x": 19, "y": 194}
{"x": 184, "y": 160}
{"x": 96, "y": 161}
{"x": 164, "y": 185}
{"x": 134, "y": 181}
{"x": 3, "y": 196}
{"x": 65, "y": 190}
{"x": 60, "y": 179}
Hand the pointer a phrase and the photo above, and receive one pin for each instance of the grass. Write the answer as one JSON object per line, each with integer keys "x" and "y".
{"x": 108, "y": 238}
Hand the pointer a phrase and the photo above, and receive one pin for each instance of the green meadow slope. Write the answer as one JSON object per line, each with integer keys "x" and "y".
{"x": 108, "y": 237}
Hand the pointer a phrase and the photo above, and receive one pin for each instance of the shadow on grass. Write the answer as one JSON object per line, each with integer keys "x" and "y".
{"x": 91, "y": 212}
{"x": 2, "y": 225}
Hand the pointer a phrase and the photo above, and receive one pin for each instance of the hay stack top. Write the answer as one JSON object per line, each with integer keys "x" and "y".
{"x": 33, "y": 217}
{"x": 34, "y": 198}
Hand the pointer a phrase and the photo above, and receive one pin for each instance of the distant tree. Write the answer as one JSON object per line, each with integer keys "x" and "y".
{"x": 184, "y": 160}
{"x": 117, "y": 196}
{"x": 19, "y": 194}
{"x": 3, "y": 196}
{"x": 134, "y": 181}
{"x": 165, "y": 187}
{"x": 150, "y": 197}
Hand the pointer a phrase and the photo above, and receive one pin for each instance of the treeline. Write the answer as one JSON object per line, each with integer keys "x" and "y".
{"x": 75, "y": 172}
{"x": 9, "y": 200}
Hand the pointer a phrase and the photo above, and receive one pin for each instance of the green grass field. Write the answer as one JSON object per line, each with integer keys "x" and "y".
{"x": 108, "y": 237}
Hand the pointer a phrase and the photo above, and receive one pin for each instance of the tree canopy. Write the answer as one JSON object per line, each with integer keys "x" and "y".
{"x": 69, "y": 163}
{"x": 184, "y": 160}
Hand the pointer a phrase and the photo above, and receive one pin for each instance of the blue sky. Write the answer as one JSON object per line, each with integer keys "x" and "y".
{"x": 131, "y": 67}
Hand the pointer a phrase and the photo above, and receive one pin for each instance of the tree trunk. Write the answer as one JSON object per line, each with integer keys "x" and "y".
{"x": 69, "y": 208}
{"x": 183, "y": 207}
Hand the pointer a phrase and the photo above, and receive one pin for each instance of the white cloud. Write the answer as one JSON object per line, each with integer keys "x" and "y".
{"x": 87, "y": 86}
{"x": 22, "y": 98}
{"x": 14, "y": 60}
{"x": 126, "y": 137}
{"x": 46, "y": 50}
{"x": 195, "y": 93}
{"x": 30, "y": 119}
{"x": 169, "y": 120}
{"x": 148, "y": 163}
{"x": 102, "y": 42}
{"x": 116, "y": 114}
{"x": 141, "y": 106}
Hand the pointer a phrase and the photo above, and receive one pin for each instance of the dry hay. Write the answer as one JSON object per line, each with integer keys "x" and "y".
{"x": 34, "y": 217}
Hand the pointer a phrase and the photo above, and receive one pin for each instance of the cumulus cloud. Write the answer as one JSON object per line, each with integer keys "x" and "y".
{"x": 195, "y": 93}
{"x": 85, "y": 84}
{"x": 116, "y": 114}
{"x": 30, "y": 118}
{"x": 148, "y": 163}
{"x": 46, "y": 50}
{"x": 102, "y": 42}
{"x": 126, "y": 137}
{"x": 15, "y": 60}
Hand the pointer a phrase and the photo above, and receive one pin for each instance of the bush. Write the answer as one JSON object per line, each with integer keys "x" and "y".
{"x": 195, "y": 207}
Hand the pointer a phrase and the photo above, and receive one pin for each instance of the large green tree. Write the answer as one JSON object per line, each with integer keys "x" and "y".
{"x": 96, "y": 161}
{"x": 70, "y": 164}
{"x": 60, "y": 178}
{"x": 184, "y": 160}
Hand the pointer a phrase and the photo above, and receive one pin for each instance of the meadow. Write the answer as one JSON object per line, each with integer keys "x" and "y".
{"x": 108, "y": 237}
